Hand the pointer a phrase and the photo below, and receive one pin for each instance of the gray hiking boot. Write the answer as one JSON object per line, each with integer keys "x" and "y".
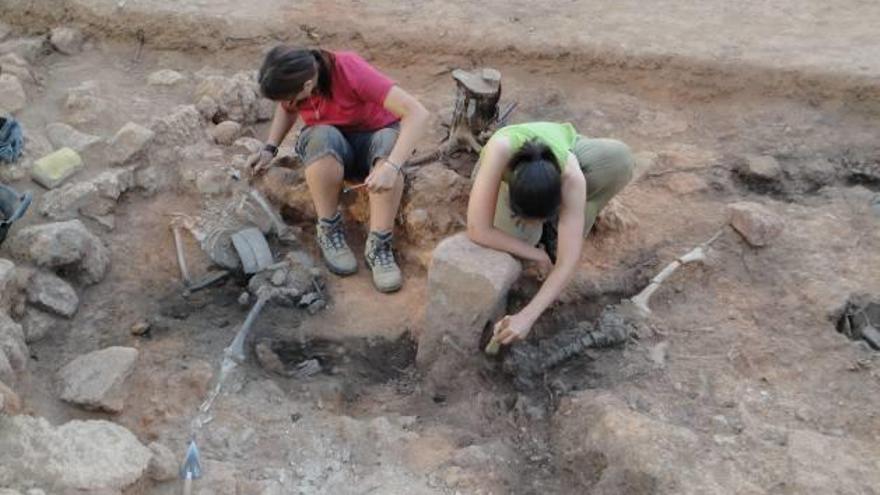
{"x": 331, "y": 239}
{"x": 380, "y": 259}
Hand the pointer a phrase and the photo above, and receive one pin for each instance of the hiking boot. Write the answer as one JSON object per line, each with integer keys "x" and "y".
{"x": 380, "y": 259}
{"x": 336, "y": 253}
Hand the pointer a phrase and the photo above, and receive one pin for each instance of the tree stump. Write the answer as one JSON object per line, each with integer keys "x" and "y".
{"x": 474, "y": 116}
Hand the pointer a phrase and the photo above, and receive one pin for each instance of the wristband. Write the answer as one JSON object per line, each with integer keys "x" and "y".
{"x": 394, "y": 166}
{"x": 271, "y": 148}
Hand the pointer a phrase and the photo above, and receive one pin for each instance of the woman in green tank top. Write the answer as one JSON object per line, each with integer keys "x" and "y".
{"x": 542, "y": 177}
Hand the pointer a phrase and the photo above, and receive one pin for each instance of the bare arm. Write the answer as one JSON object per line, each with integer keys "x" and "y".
{"x": 413, "y": 123}
{"x": 571, "y": 241}
{"x": 482, "y": 201}
{"x": 281, "y": 124}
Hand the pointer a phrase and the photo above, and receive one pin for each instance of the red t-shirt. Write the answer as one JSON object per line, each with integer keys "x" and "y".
{"x": 358, "y": 94}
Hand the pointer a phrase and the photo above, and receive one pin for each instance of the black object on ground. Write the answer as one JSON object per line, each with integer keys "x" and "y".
{"x": 13, "y": 206}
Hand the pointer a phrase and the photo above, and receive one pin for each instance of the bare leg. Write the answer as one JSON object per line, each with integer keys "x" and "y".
{"x": 383, "y": 207}
{"x": 324, "y": 178}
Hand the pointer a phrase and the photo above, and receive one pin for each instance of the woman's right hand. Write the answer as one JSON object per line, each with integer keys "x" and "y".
{"x": 259, "y": 162}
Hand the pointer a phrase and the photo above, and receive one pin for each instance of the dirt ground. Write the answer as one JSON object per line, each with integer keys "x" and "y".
{"x": 741, "y": 352}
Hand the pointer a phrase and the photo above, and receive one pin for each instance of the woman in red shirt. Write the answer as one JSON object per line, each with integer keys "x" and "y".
{"x": 359, "y": 125}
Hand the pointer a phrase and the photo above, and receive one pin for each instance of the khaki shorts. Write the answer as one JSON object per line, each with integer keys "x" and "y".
{"x": 607, "y": 165}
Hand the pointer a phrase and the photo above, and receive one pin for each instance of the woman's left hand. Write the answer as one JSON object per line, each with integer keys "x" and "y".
{"x": 512, "y": 328}
{"x": 382, "y": 178}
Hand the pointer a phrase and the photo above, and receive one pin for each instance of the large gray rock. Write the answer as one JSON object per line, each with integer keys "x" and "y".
{"x": 129, "y": 143}
{"x": 13, "y": 350}
{"x": 467, "y": 286}
{"x": 97, "y": 380}
{"x": 37, "y": 325}
{"x": 93, "y": 198}
{"x": 76, "y": 457}
{"x": 755, "y": 222}
{"x": 432, "y": 185}
{"x": 237, "y": 97}
{"x": 66, "y": 40}
{"x": 84, "y": 105}
{"x": 62, "y": 135}
{"x": 67, "y": 245}
{"x": 12, "y": 95}
{"x": 50, "y": 293}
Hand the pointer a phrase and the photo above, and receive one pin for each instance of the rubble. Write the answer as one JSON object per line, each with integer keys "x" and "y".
{"x": 237, "y": 97}
{"x": 67, "y": 245}
{"x": 85, "y": 107}
{"x": 96, "y": 381}
{"x": 78, "y": 456}
{"x": 37, "y": 325}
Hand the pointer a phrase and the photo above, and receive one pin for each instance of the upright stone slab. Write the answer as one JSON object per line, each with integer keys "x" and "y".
{"x": 467, "y": 286}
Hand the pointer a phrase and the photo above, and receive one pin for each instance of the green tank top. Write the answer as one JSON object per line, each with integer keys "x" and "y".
{"x": 559, "y": 137}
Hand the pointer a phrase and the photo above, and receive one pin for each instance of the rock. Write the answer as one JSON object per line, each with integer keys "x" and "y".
{"x": 52, "y": 294}
{"x": 435, "y": 204}
{"x": 129, "y": 143}
{"x": 37, "y": 324}
{"x": 95, "y": 381}
{"x": 760, "y": 167}
{"x": 467, "y": 286}
{"x": 12, "y": 95}
{"x": 140, "y": 328}
{"x": 78, "y": 456}
{"x": 13, "y": 350}
{"x": 5, "y": 31}
{"x": 84, "y": 106}
{"x": 15, "y": 65}
{"x": 10, "y": 285}
{"x": 28, "y": 48}
{"x": 95, "y": 198}
{"x": 207, "y": 108}
{"x": 62, "y": 135}
{"x": 180, "y": 127}
{"x": 165, "y": 77}
{"x": 756, "y": 223}
{"x": 819, "y": 172}
{"x": 237, "y": 97}
{"x": 9, "y": 402}
{"x": 265, "y": 109}
{"x": 68, "y": 41}
{"x": 226, "y": 132}
{"x": 163, "y": 465}
{"x": 616, "y": 217}
{"x": 247, "y": 145}
{"x": 68, "y": 245}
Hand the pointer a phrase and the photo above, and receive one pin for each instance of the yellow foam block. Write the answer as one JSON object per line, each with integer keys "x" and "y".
{"x": 54, "y": 168}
